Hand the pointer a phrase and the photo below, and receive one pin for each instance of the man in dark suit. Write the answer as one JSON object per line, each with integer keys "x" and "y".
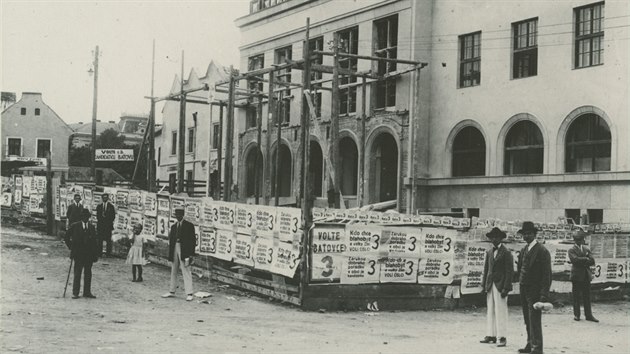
{"x": 534, "y": 268}
{"x": 73, "y": 214}
{"x": 105, "y": 215}
{"x": 85, "y": 248}
{"x": 498, "y": 271}
{"x": 181, "y": 249}
{"x": 581, "y": 259}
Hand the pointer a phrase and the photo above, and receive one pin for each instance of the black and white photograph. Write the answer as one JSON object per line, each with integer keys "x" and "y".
{"x": 315, "y": 176}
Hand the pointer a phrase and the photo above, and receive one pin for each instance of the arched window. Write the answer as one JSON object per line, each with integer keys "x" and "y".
{"x": 284, "y": 177}
{"x": 588, "y": 145}
{"x": 524, "y": 149}
{"x": 316, "y": 168}
{"x": 349, "y": 164}
{"x": 469, "y": 153}
{"x": 253, "y": 170}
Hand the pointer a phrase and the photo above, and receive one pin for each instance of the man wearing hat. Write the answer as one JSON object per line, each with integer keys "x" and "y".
{"x": 581, "y": 259}
{"x": 181, "y": 247}
{"x": 73, "y": 214}
{"x": 496, "y": 282}
{"x": 85, "y": 248}
{"x": 534, "y": 268}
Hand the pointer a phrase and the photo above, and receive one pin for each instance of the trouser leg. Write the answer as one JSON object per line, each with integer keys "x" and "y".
{"x": 526, "y": 318}
{"x": 500, "y": 312}
{"x": 535, "y": 322}
{"x": 586, "y": 295}
{"x": 139, "y": 272}
{"x": 576, "y": 291}
{"x": 174, "y": 269}
{"x": 108, "y": 246}
{"x": 187, "y": 274}
{"x": 133, "y": 271}
{"x": 87, "y": 281}
{"x": 491, "y": 328}
{"x": 76, "y": 281}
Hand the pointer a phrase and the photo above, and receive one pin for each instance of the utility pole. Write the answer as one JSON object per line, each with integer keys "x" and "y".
{"x": 95, "y": 98}
{"x": 181, "y": 151}
{"x": 278, "y": 140}
{"x": 305, "y": 184}
{"x": 334, "y": 120}
{"x": 363, "y": 133}
{"x": 151, "y": 128}
{"x": 219, "y": 153}
{"x": 270, "y": 115}
{"x": 257, "y": 172}
{"x": 50, "y": 218}
{"x": 227, "y": 184}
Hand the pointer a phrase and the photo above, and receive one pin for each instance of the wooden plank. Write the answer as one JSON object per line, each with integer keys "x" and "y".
{"x": 264, "y": 291}
{"x": 251, "y": 279}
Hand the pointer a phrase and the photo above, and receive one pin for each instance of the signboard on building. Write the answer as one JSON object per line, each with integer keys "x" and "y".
{"x": 114, "y": 155}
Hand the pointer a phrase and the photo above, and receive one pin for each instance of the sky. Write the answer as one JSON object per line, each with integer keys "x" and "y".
{"x": 48, "y": 47}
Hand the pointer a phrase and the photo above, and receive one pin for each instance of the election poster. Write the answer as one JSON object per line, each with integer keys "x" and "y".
{"x": 149, "y": 227}
{"x": 290, "y": 224}
{"x": 403, "y": 242}
{"x": 121, "y": 224}
{"x": 435, "y": 271}
{"x": 56, "y": 203}
{"x": 7, "y": 198}
{"x": 27, "y": 183}
{"x": 265, "y": 221}
{"x": 328, "y": 239}
{"x": 122, "y": 199}
{"x": 162, "y": 227}
{"x": 197, "y": 233}
{"x": 135, "y": 218}
{"x": 88, "y": 199}
{"x": 207, "y": 241}
{"x": 364, "y": 239}
{"x": 163, "y": 204}
{"x": 210, "y": 214}
{"x": 17, "y": 197}
{"x": 135, "y": 201}
{"x": 326, "y": 267}
{"x": 37, "y": 203}
{"x": 610, "y": 270}
{"x": 263, "y": 253}
{"x": 150, "y": 203}
{"x": 243, "y": 250}
{"x": 177, "y": 203}
{"x": 192, "y": 211}
{"x": 245, "y": 218}
{"x": 399, "y": 270}
{"x": 360, "y": 270}
{"x": 226, "y": 213}
{"x": 287, "y": 259}
{"x": 225, "y": 244}
{"x": 437, "y": 243}
{"x": 473, "y": 267}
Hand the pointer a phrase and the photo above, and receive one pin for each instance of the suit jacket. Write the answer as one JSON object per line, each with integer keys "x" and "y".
{"x": 581, "y": 260}
{"x": 534, "y": 268}
{"x": 84, "y": 244}
{"x": 105, "y": 221}
{"x": 498, "y": 270}
{"x": 188, "y": 240}
{"x": 74, "y": 213}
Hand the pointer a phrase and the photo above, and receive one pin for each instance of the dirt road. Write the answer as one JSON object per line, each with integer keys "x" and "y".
{"x": 131, "y": 317}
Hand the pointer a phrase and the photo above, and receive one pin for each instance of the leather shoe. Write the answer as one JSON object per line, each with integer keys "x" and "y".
{"x": 592, "y": 319}
{"x": 75, "y": 296}
{"x": 527, "y": 349}
{"x": 90, "y": 296}
{"x": 502, "y": 342}
{"x": 488, "y": 339}
{"x": 576, "y": 318}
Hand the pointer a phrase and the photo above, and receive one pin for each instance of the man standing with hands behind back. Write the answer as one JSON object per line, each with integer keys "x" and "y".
{"x": 181, "y": 246}
{"x": 105, "y": 214}
{"x": 581, "y": 259}
{"x": 498, "y": 271}
{"x": 534, "y": 268}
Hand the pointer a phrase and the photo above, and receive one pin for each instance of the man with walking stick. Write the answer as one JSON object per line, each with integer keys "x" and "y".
{"x": 85, "y": 248}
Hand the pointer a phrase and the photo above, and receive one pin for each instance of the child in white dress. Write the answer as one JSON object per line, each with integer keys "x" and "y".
{"x": 136, "y": 256}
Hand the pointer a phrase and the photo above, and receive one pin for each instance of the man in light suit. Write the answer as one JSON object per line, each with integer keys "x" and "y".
{"x": 105, "y": 215}
{"x": 534, "y": 268}
{"x": 181, "y": 246}
{"x": 498, "y": 271}
{"x": 581, "y": 259}
{"x": 85, "y": 248}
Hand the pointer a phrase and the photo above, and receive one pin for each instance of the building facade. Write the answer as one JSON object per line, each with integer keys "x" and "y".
{"x": 202, "y": 129}
{"x": 30, "y": 128}
{"x": 523, "y": 109}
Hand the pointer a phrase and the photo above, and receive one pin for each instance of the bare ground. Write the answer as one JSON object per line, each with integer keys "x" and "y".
{"x": 131, "y": 317}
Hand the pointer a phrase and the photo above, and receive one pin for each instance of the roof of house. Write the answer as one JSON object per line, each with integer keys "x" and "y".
{"x": 100, "y": 127}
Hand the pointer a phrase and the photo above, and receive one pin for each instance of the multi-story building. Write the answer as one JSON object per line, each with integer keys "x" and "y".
{"x": 202, "y": 130}
{"x": 30, "y": 128}
{"x": 522, "y": 111}
{"x": 130, "y": 126}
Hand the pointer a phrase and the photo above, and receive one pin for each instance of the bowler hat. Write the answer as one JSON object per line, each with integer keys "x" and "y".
{"x": 179, "y": 211}
{"x": 496, "y": 232}
{"x": 580, "y": 234}
{"x": 528, "y": 226}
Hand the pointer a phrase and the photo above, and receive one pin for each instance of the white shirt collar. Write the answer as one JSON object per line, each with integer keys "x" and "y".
{"x": 530, "y": 245}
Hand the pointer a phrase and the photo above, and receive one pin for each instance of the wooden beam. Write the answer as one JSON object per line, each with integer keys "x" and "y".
{"x": 367, "y": 57}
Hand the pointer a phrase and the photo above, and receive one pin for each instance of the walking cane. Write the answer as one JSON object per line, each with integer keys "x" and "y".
{"x": 68, "y": 278}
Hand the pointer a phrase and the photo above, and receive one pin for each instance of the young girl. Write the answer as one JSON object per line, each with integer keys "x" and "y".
{"x": 136, "y": 256}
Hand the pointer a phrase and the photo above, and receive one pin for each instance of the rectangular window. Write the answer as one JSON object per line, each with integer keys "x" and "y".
{"x": 191, "y": 139}
{"x": 43, "y": 146}
{"x": 215, "y": 136}
{"x": 318, "y": 59}
{"x": 190, "y": 182}
{"x": 349, "y": 42}
{"x": 595, "y": 216}
{"x": 386, "y": 46}
{"x": 23, "y": 111}
{"x": 36, "y": 111}
{"x": 472, "y": 212}
{"x": 251, "y": 116}
{"x": 14, "y": 146}
{"x": 254, "y": 63}
{"x": 589, "y": 34}
{"x": 159, "y": 157}
{"x": 525, "y": 54}
{"x": 572, "y": 215}
{"x": 284, "y": 108}
{"x": 174, "y": 143}
{"x": 172, "y": 182}
{"x": 470, "y": 59}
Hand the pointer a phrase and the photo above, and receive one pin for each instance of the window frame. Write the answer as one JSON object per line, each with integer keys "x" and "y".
{"x": 37, "y": 140}
{"x": 317, "y": 43}
{"x": 590, "y": 142}
{"x": 37, "y": 111}
{"x": 589, "y": 38}
{"x": 529, "y": 148}
{"x": 174, "y": 137}
{"x": 387, "y": 87}
{"x": 284, "y": 75}
{"x": 8, "y": 152}
{"x": 348, "y": 96}
{"x": 527, "y": 53}
{"x": 215, "y": 136}
{"x": 468, "y": 151}
{"x": 192, "y": 140}
{"x": 255, "y": 62}
{"x": 464, "y": 62}
{"x": 22, "y": 111}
